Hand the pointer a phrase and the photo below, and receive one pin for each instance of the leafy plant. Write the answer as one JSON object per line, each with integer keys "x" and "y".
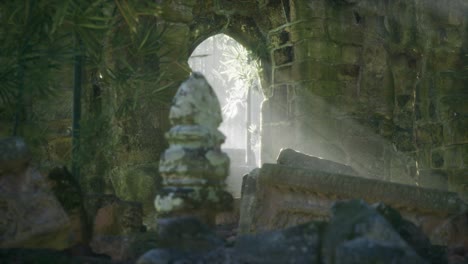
{"x": 117, "y": 40}
{"x": 241, "y": 70}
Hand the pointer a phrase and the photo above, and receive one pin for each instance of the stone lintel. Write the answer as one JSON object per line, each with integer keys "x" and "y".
{"x": 339, "y": 186}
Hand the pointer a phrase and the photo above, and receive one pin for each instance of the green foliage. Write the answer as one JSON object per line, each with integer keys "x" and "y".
{"x": 120, "y": 44}
{"x": 36, "y": 39}
{"x": 29, "y": 51}
{"x": 240, "y": 68}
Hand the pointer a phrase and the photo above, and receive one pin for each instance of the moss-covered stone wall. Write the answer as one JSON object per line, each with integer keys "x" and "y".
{"x": 379, "y": 85}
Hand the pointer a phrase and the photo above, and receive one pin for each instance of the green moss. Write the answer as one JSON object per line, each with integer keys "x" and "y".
{"x": 137, "y": 183}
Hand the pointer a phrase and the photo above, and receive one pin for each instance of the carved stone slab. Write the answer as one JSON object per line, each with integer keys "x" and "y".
{"x": 285, "y": 196}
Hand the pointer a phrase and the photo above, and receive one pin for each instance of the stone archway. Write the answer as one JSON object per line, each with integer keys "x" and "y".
{"x": 357, "y": 73}
{"x": 233, "y": 72}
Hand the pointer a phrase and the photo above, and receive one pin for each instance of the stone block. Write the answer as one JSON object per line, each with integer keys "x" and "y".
{"x": 314, "y": 70}
{"x": 301, "y": 50}
{"x": 458, "y": 182}
{"x": 403, "y": 140}
{"x": 312, "y": 9}
{"x": 187, "y": 233}
{"x": 248, "y": 201}
{"x": 429, "y": 134}
{"x": 283, "y": 55}
{"x": 454, "y": 155}
{"x": 434, "y": 179}
{"x": 30, "y": 215}
{"x": 454, "y": 37}
{"x": 283, "y": 74}
{"x": 345, "y": 32}
{"x": 445, "y": 59}
{"x": 452, "y": 107}
{"x": 290, "y": 157}
{"x": 312, "y": 28}
{"x": 116, "y": 217}
{"x": 364, "y": 250}
{"x": 327, "y": 88}
{"x": 298, "y": 244}
{"x": 287, "y": 196}
{"x": 453, "y": 232}
{"x": 347, "y": 72}
{"x": 323, "y": 50}
{"x": 351, "y": 54}
{"x": 375, "y": 58}
{"x": 403, "y": 118}
{"x": 437, "y": 158}
{"x": 464, "y": 155}
{"x": 357, "y": 233}
{"x": 455, "y": 131}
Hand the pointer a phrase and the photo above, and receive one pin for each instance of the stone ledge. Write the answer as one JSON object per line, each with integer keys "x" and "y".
{"x": 400, "y": 196}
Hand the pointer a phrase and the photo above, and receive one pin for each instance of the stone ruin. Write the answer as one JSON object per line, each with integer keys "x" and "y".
{"x": 30, "y": 215}
{"x": 301, "y": 210}
{"x": 301, "y": 188}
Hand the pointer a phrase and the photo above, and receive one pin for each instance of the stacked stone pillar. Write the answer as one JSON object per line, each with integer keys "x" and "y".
{"x": 193, "y": 167}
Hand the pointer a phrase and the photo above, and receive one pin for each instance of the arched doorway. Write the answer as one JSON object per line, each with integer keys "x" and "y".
{"x": 232, "y": 71}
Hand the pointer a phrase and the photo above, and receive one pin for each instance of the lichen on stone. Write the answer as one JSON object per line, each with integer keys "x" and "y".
{"x": 193, "y": 167}
{"x": 167, "y": 203}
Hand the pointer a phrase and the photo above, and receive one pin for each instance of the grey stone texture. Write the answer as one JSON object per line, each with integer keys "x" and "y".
{"x": 30, "y": 215}
{"x": 248, "y": 202}
{"x": 292, "y": 158}
{"x": 356, "y": 233}
{"x": 365, "y": 237}
{"x": 278, "y": 196}
{"x": 193, "y": 167}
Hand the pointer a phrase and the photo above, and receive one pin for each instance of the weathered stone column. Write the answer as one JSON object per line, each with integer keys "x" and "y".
{"x": 193, "y": 167}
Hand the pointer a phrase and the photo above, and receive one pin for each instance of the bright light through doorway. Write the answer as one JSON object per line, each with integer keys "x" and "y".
{"x": 232, "y": 71}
